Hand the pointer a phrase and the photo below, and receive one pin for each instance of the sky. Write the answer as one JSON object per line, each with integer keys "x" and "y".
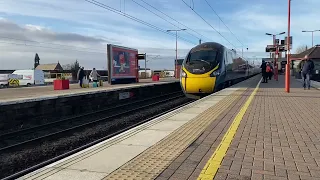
{"x": 68, "y": 30}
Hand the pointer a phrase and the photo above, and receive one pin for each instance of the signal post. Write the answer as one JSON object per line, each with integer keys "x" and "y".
{"x": 276, "y": 49}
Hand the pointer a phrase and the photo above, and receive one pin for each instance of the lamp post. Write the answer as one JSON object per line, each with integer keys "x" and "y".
{"x": 176, "y": 61}
{"x": 145, "y": 63}
{"x": 312, "y": 34}
{"x": 276, "y": 54}
{"x": 287, "y": 84}
{"x": 242, "y": 49}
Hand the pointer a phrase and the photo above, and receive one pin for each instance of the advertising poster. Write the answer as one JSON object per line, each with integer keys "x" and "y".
{"x": 122, "y": 63}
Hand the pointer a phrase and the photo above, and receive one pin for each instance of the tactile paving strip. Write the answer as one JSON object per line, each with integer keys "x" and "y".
{"x": 150, "y": 163}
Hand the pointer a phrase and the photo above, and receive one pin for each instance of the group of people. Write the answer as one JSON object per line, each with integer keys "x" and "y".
{"x": 267, "y": 71}
{"x": 305, "y": 69}
{"x": 81, "y": 75}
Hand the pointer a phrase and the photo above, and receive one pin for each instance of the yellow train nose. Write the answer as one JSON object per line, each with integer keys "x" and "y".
{"x": 198, "y": 85}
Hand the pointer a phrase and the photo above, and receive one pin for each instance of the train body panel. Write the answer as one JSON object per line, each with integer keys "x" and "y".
{"x": 210, "y": 66}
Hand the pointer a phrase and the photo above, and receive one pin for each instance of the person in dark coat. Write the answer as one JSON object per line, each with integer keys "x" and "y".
{"x": 264, "y": 73}
{"x": 306, "y": 72}
{"x": 81, "y": 75}
{"x": 271, "y": 72}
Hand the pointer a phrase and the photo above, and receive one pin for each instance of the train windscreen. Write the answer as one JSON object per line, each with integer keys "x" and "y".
{"x": 201, "y": 61}
{"x": 207, "y": 56}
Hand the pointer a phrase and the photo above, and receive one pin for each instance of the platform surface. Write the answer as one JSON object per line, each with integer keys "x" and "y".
{"x": 40, "y": 92}
{"x": 248, "y": 131}
{"x": 278, "y": 138}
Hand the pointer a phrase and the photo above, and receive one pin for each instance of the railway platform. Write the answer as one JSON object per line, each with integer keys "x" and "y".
{"x": 27, "y": 94}
{"x": 251, "y": 130}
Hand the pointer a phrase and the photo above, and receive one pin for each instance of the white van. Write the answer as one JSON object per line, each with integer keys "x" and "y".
{"x": 30, "y": 77}
{"x": 4, "y": 79}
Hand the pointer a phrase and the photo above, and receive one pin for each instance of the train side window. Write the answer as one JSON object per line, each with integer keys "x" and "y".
{"x": 229, "y": 61}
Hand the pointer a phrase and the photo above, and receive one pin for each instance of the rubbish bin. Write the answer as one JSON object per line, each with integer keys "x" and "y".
{"x": 155, "y": 77}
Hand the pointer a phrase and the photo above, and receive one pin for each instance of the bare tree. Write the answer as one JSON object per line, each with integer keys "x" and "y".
{"x": 67, "y": 67}
{"x": 301, "y": 49}
{"x": 74, "y": 68}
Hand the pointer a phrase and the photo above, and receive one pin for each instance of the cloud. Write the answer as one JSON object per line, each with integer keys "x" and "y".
{"x": 82, "y": 30}
{"x": 264, "y": 17}
{"x": 20, "y": 43}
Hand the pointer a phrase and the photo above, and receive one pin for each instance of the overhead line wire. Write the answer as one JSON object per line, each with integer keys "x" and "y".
{"x": 209, "y": 25}
{"x": 223, "y": 22}
{"x": 162, "y": 18}
{"x": 133, "y": 18}
{"x": 174, "y": 20}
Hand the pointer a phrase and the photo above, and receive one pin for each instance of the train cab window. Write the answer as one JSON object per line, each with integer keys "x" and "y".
{"x": 207, "y": 56}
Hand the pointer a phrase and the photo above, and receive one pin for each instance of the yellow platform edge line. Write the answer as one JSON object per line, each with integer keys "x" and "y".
{"x": 211, "y": 168}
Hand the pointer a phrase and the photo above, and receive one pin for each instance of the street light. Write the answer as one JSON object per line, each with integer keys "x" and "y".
{"x": 242, "y": 49}
{"x": 145, "y": 63}
{"x": 276, "y": 55}
{"x": 176, "y": 61}
{"x": 274, "y": 36}
{"x": 312, "y": 34}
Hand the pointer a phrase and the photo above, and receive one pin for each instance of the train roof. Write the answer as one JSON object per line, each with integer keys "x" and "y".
{"x": 212, "y": 45}
{"x": 208, "y": 45}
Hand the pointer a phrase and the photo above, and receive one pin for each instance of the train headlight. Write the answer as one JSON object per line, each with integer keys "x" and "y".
{"x": 183, "y": 74}
{"x": 215, "y": 73}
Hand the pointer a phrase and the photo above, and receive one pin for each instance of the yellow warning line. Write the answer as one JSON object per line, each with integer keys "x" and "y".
{"x": 210, "y": 169}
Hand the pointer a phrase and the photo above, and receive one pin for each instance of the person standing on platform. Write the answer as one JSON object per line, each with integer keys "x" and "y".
{"x": 272, "y": 72}
{"x": 263, "y": 70}
{"x": 94, "y": 74}
{"x": 306, "y": 72}
{"x": 80, "y": 75}
{"x": 268, "y": 71}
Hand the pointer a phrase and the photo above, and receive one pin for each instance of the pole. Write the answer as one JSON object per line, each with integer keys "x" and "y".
{"x": 145, "y": 64}
{"x": 274, "y": 58}
{"x": 287, "y": 85}
{"x": 276, "y": 63}
{"x": 312, "y": 38}
{"x": 242, "y": 52}
{"x": 176, "y": 61}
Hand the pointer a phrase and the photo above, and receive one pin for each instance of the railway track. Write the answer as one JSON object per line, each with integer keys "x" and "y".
{"x": 17, "y": 140}
{"x": 23, "y": 137}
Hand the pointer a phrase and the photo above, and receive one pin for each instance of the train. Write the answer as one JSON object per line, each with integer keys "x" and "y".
{"x": 210, "y": 67}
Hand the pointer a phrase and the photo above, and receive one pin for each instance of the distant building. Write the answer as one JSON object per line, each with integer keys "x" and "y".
{"x": 169, "y": 73}
{"x": 311, "y": 53}
{"x": 50, "y": 67}
{"x": 143, "y": 71}
{"x": 53, "y": 71}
